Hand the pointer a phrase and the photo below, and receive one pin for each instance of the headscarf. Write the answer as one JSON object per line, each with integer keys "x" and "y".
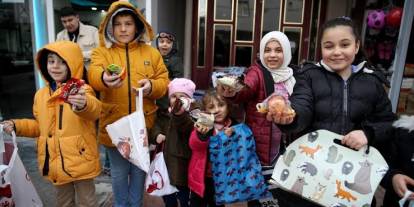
{"x": 283, "y": 74}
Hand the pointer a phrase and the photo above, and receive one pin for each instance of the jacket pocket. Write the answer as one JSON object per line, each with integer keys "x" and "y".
{"x": 77, "y": 158}
{"x": 110, "y": 113}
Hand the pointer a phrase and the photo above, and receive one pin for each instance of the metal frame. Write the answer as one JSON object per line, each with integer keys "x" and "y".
{"x": 401, "y": 53}
{"x": 236, "y": 20}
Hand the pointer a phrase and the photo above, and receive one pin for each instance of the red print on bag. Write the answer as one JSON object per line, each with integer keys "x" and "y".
{"x": 154, "y": 185}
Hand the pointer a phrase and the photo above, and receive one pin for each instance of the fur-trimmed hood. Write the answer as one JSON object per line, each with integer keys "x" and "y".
{"x": 405, "y": 122}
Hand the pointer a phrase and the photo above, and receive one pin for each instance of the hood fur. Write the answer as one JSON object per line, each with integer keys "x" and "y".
{"x": 405, "y": 122}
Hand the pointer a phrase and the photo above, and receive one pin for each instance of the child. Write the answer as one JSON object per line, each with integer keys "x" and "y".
{"x": 124, "y": 32}
{"x": 167, "y": 45}
{"x": 338, "y": 96}
{"x": 175, "y": 131}
{"x": 200, "y": 178}
{"x": 269, "y": 75}
{"x": 66, "y": 145}
{"x": 400, "y": 177}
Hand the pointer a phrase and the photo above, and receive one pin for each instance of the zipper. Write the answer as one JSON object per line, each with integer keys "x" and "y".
{"x": 60, "y": 116}
{"x": 344, "y": 106}
{"x": 129, "y": 79}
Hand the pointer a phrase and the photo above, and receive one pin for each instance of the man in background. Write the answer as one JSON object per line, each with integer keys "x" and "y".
{"x": 85, "y": 36}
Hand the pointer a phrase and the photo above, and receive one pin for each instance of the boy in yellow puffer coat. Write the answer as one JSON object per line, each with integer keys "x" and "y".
{"x": 65, "y": 129}
{"x": 123, "y": 36}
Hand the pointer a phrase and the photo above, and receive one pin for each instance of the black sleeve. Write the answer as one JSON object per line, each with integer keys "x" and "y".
{"x": 302, "y": 102}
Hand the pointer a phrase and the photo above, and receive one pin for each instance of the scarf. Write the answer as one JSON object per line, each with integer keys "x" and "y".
{"x": 283, "y": 74}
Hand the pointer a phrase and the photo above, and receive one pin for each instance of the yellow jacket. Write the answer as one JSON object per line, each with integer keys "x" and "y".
{"x": 141, "y": 62}
{"x": 67, "y": 149}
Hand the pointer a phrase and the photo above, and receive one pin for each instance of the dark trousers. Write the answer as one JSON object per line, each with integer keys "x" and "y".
{"x": 208, "y": 199}
{"x": 183, "y": 196}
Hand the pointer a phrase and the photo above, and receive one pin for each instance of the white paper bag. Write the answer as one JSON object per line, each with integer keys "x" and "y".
{"x": 15, "y": 177}
{"x": 317, "y": 167}
{"x": 157, "y": 182}
{"x": 128, "y": 135}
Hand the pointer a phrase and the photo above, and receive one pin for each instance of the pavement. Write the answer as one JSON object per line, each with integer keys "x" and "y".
{"x": 27, "y": 152}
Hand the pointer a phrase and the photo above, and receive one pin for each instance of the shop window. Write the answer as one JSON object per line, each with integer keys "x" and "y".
{"x": 224, "y": 10}
{"x": 243, "y": 55}
{"x": 202, "y": 12}
{"x": 271, "y": 16}
{"x": 222, "y": 44}
{"x": 294, "y": 11}
{"x": 245, "y": 20}
{"x": 295, "y": 35}
{"x": 17, "y": 84}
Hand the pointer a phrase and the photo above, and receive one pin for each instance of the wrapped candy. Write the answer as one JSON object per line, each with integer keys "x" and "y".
{"x": 182, "y": 102}
{"x": 202, "y": 119}
{"x": 233, "y": 81}
{"x": 71, "y": 87}
{"x": 114, "y": 69}
{"x": 275, "y": 105}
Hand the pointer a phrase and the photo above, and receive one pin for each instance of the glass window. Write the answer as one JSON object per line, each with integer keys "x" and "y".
{"x": 294, "y": 11}
{"x": 245, "y": 20}
{"x": 295, "y": 35}
{"x": 224, "y": 10}
{"x": 271, "y": 16}
{"x": 202, "y": 11}
{"x": 243, "y": 55}
{"x": 222, "y": 45}
{"x": 406, "y": 100}
{"x": 17, "y": 84}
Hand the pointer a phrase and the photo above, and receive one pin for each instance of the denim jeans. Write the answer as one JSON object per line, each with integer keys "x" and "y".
{"x": 127, "y": 180}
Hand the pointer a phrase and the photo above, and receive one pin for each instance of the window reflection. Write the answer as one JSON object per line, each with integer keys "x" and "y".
{"x": 294, "y": 34}
{"x": 294, "y": 11}
{"x": 202, "y": 11}
{"x": 224, "y": 10}
{"x": 222, "y": 45}
{"x": 245, "y": 19}
{"x": 271, "y": 16}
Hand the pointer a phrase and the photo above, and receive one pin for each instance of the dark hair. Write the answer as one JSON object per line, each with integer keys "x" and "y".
{"x": 67, "y": 11}
{"x": 346, "y": 21}
{"x": 43, "y": 65}
{"x": 138, "y": 23}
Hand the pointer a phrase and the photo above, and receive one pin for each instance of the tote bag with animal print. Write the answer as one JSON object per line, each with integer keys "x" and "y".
{"x": 317, "y": 167}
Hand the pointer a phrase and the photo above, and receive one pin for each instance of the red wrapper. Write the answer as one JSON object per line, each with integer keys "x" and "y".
{"x": 71, "y": 87}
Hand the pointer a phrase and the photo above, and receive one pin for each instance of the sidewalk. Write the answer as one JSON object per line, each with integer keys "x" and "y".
{"x": 27, "y": 152}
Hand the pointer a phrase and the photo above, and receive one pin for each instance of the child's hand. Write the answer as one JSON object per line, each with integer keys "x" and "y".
{"x": 400, "y": 183}
{"x": 146, "y": 86}
{"x": 228, "y": 131}
{"x": 201, "y": 129}
{"x": 160, "y": 138}
{"x": 112, "y": 81}
{"x": 225, "y": 91}
{"x": 355, "y": 139}
{"x": 8, "y": 126}
{"x": 78, "y": 100}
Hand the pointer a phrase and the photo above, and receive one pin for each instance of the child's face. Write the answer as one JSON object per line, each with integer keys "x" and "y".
{"x": 219, "y": 108}
{"x": 176, "y": 96}
{"x": 165, "y": 46}
{"x": 273, "y": 55}
{"x": 57, "y": 68}
{"x": 124, "y": 28}
{"x": 339, "y": 47}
